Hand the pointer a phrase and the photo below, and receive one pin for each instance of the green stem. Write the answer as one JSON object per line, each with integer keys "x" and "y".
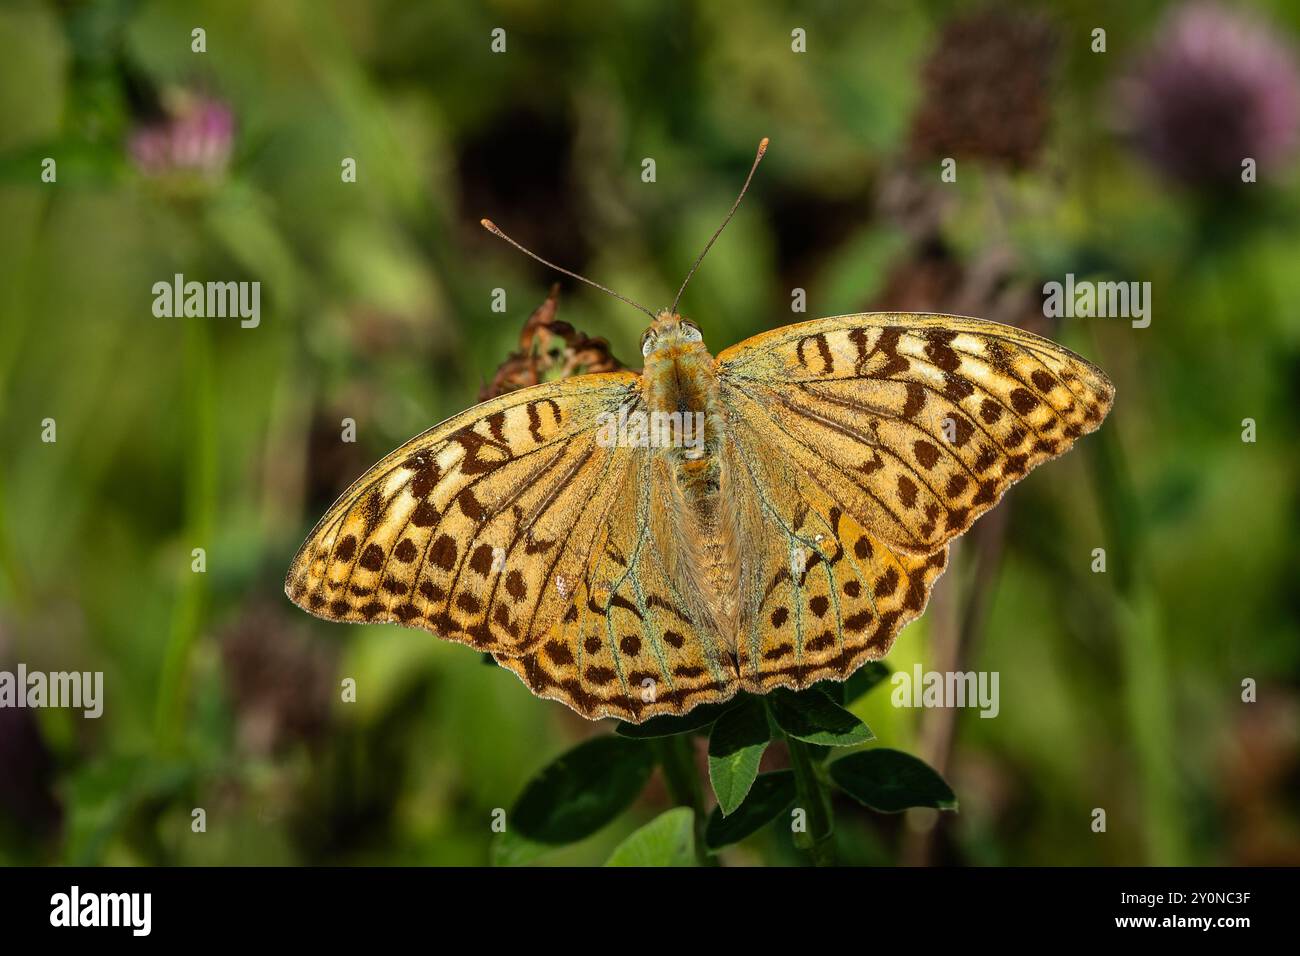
{"x": 11, "y": 569}
{"x": 15, "y": 283}
{"x": 1144, "y": 661}
{"x": 677, "y": 758}
{"x": 200, "y": 505}
{"x": 815, "y": 802}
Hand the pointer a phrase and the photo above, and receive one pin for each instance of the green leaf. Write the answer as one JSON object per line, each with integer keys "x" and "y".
{"x": 669, "y": 724}
{"x": 735, "y": 748}
{"x": 865, "y": 678}
{"x": 834, "y": 689}
{"x": 891, "y": 781}
{"x": 511, "y": 849}
{"x": 858, "y": 683}
{"x": 771, "y": 796}
{"x": 667, "y": 840}
{"x": 812, "y": 716}
{"x": 582, "y": 790}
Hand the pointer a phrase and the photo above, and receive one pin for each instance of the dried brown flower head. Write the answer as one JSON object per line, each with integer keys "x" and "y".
{"x": 549, "y": 349}
{"x": 987, "y": 90}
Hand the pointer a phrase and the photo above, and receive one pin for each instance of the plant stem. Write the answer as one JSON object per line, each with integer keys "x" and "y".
{"x": 1145, "y": 672}
{"x": 677, "y": 758}
{"x": 815, "y": 802}
{"x": 200, "y": 506}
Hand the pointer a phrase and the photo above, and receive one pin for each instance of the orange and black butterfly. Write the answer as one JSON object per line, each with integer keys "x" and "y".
{"x": 635, "y": 544}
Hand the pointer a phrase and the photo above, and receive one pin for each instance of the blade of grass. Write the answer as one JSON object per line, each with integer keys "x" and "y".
{"x": 200, "y": 508}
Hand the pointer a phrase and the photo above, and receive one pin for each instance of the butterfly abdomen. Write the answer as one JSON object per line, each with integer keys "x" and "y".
{"x": 682, "y": 379}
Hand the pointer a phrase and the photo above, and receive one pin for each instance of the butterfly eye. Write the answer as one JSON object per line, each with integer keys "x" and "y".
{"x": 691, "y": 333}
{"x": 647, "y": 344}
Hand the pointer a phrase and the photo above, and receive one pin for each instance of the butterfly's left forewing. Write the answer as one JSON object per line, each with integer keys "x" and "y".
{"x": 914, "y": 424}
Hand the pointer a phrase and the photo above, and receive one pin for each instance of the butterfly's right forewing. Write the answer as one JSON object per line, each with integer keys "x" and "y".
{"x": 464, "y": 529}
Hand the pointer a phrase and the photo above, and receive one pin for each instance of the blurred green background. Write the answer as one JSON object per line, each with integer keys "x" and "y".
{"x": 1119, "y": 690}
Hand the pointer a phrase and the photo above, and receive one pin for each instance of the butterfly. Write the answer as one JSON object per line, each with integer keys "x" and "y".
{"x": 638, "y": 544}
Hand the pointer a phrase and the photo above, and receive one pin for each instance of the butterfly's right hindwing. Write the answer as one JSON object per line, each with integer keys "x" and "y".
{"x": 629, "y": 646}
{"x": 461, "y": 530}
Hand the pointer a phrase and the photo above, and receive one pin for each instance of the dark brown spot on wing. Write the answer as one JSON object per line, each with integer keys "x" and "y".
{"x": 925, "y": 453}
{"x": 822, "y": 641}
{"x": 425, "y": 515}
{"x": 856, "y": 623}
{"x": 425, "y": 480}
{"x": 1042, "y": 381}
{"x": 957, "y": 387}
{"x": 988, "y": 456}
{"x": 915, "y": 400}
{"x": 887, "y": 582}
{"x": 906, "y": 491}
{"x": 558, "y": 653}
{"x": 1023, "y": 401}
{"x": 443, "y": 552}
{"x": 470, "y": 505}
{"x": 481, "y": 560}
{"x": 938, "y": 350}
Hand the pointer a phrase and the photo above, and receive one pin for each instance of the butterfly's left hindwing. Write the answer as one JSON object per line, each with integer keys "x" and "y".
{"x": 820, "y": 595}
{"x": 859, "y": 446}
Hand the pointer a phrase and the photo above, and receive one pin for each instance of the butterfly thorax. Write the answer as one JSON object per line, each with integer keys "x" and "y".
{"x": 680, "y": 379}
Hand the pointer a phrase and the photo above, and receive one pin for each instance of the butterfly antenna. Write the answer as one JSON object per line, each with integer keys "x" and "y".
{"x": 492, "y": 227}
{"x": 762, "y": 148}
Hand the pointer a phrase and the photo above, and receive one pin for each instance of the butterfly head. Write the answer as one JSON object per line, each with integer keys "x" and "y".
{"x": 671, "y": 336}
